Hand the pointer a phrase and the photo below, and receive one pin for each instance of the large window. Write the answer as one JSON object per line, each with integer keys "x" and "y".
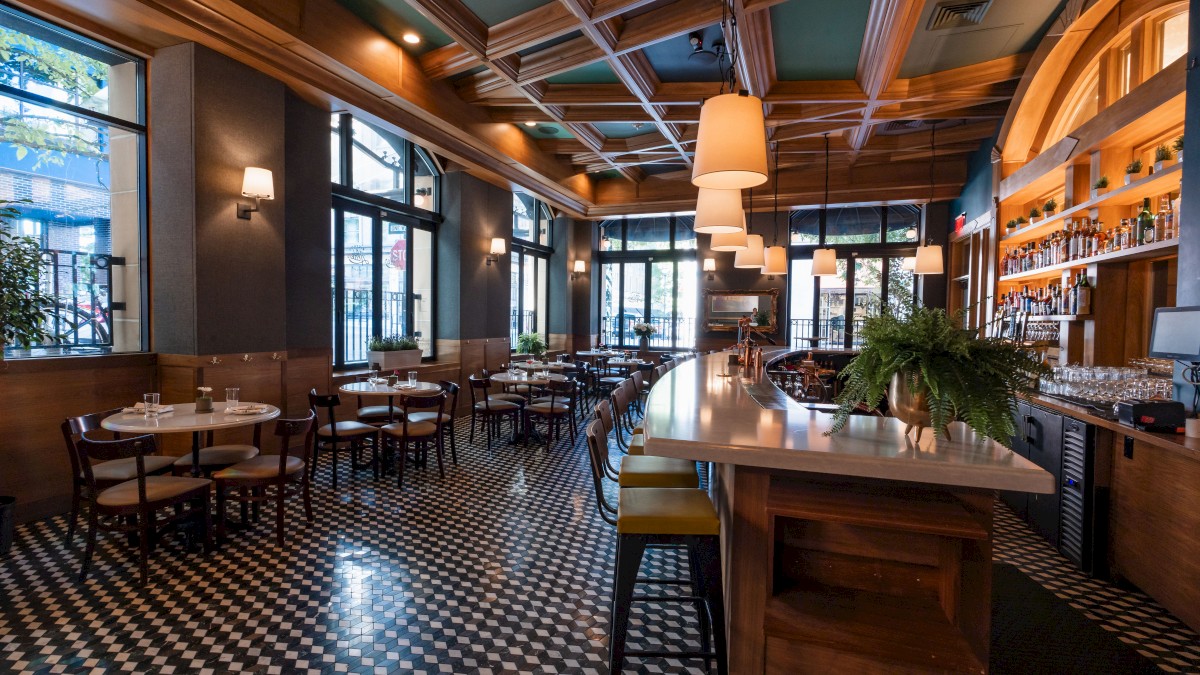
{"x": 382, "y": 239}
{"x": 649, "y": 275}
{"x": 72, "y": 163}
{"x": 532, "y": 236}
{"x": 1172, "y": 37}
{"x": 871, "y": 244}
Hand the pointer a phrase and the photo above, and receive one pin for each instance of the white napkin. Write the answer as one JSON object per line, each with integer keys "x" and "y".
{"x": 140, "y": 407}
{"x": 245, "y": 409}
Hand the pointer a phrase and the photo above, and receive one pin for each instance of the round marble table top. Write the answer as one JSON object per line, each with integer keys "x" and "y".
{"x": 402, "y": 389}
{"x": 185, "y": 418}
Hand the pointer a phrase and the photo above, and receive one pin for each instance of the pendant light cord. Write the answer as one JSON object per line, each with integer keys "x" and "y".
{"x": 775, "y": 215}
{"x": 825, "y": 203}
{"x": 729, "y": 18}
{"x": 932, "y": 158}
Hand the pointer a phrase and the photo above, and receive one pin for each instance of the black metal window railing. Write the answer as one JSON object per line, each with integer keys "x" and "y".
{"x": 669, "y": 333}
{"x": 831, "y": 333}
{"x": 356, "y": 322}
{"x": 81, "y": 284}
{"x": 520, "y": 322}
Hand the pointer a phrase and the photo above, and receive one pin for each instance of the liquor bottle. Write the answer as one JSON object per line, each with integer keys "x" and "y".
{"x": 1160, "y": 222}
{"x": 1145, "y": 223}
{"x": 1084, "y": 295}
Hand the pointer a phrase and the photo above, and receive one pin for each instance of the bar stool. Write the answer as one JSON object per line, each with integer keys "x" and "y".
{"x": 654, "y": 517}
{"x": 638, "y": 470}
{"x": 635, "y": 444}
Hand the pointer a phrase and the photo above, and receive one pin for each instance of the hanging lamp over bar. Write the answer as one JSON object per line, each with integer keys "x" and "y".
{"x": 731, "y": 143}
{"x": 719, "y": 211}
{"x": 929, "y": 256}
{"x": 824, "y": 261}
{"x": 775, "y": 256}
{"x": 730, "y": 241}
{"x": 752, "y": 256}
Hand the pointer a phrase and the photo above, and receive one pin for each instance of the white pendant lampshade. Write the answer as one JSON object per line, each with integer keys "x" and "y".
{"x": 908, "y": 264}
{"x": 719, "y": 211}
{"x": 731, "y": 144}
{"x": 752, "y": 255}
{"x": 730, "y": 241}
{"x": 929, "y": 260}
{"x": 824, "y": 263}
{"x": 775, "y": 260}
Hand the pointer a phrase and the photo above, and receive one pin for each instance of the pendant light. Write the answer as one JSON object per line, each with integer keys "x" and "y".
{"x": 824, "y": 261}
{"x": 719, "y": 211}
{"x": 732, "y": 241}
{"x": 775, "y": 257}
{"x": 750, "y": 257}
{"x": 929, "y": 256}
{"x": 731, "y": 142}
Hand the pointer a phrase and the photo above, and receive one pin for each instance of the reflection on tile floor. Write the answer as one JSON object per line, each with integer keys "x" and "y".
{"x": 503, "y": 566}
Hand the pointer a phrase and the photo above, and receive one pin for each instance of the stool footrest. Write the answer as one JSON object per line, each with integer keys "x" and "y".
{"x": 666, "y": 653}
{"x": 667, "y": 598}
{"x": 664, "y": 582}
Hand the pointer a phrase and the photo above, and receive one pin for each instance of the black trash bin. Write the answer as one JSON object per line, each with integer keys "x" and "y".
{"x": 6, "y": 524}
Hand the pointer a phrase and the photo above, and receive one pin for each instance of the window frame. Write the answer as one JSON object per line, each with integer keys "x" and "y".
{"x": 344, "y": 185}
{"x": 521, "y": 249}
{"x": 540, "y": 209}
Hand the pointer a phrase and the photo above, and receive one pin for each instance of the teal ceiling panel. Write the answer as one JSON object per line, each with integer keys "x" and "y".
{"x": 818, "y": 39}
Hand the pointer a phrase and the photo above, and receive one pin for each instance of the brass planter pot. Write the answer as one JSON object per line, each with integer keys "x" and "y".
{"x": 909, "y": 406}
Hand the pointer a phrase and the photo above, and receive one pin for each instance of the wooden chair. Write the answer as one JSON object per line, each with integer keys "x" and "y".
{"x": 490, "y": 411}
{"x": 376, "y": 415}
{"x": 399, "y": 435}
{"x": 106, "y": 474}
{"x": 504, "y": 394}
{"x": 554, "y": 409}
{"x": 254, "y": 479}
{"x": 335, "y": 434}
{"x": 132, "y": 506}
{"x": 446, "y": 418}
{"x": 217, "y": 457}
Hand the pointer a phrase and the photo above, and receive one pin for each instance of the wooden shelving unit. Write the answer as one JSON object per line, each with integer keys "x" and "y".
{"x": 1158, "y": 249}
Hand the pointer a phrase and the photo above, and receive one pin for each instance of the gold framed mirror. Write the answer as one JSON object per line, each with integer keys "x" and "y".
{"x": 723, "y": 308}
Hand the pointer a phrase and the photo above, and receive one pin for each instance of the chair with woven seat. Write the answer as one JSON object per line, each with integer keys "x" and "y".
{"x": 254, "y": 479}
{"x": 106, "y": 474}
{"x": 555, "y": 409}
{"x": 446, "y": 418}
{"x": 216, "y": 457}
{"x": 399, "y": 436}
{"x": 335, "y": 434}
{"x": 639, "y": 469}
{"x": 489, "y": 411}
{"x": 132, "y": 506}
{"x": 661, "y": 517}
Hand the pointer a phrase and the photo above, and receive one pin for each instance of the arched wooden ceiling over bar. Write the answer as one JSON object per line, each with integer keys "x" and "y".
{"x": 593, "y": 104}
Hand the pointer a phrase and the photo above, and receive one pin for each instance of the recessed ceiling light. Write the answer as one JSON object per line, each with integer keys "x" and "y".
{"x": 412, "y": 38}
{"x": 531, "y": 124}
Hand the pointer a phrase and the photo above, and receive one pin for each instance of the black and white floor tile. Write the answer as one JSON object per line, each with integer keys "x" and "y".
{"x": 503, "y": 566}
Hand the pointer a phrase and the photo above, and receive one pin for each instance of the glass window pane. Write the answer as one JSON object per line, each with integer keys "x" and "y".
{"x": 524, "y": 217}
{"x": 635, "y": 301}
{"x": 868, "y": 294}
{"x": 648, "y": 233}
{"x": 685, "y": 236}
{"x": 900, "y": 285}
{"x": 610, "y": 235}
{"x": 516, "y": 321}
{"x": 393, "y": 251}
{"x": 610, "y": 303}
{"x": 529, "y": 294}
{"x": 853, "y": 225}
{"x": 50, "y": 62}
{"x": 662, "y": 302}
{"x": 800, "y": 300}
{"x": 687, "y": 303}
{"x": 356, "y": 261}
{"x": 1173, "y": 39}
{"x": 378, "y": 161}
{"x": 335, "y": 148}
{"x": 903, "y": 223}
{"x": 543, "y": 316}
{"x": 545, "y": 221}
{"x": 805, "y": 227}
{"x": 425, "y": 182}
{"x": 831, "y": 309}
{"x": 422, "y": 266}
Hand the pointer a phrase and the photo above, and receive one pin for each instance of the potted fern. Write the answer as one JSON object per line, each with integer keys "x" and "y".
{"x": 21, "y": 297}
{"x": 933, "y": 372}
{"x": 393, "y": 352}
{"x": 532, "y": 344}
{"x": 1132, "y": 169}
{"x": 1162, "y": 154}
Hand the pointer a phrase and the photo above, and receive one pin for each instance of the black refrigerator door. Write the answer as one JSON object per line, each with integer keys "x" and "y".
{"x": 1019, "y": 501}
{"x": 1045, "y": 449}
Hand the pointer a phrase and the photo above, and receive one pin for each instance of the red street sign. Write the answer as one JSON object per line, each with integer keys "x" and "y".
{"x": 397, "y": 255}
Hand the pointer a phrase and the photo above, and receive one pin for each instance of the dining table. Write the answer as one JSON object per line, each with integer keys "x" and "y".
{"x": 183, "y": 418}
{"x": 384, "y": 390}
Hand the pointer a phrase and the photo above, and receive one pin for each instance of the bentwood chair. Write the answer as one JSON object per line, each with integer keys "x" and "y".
{"x": 335, "y": 435}
{"x": 217, "y": 457}
{"x": 132, "y": 507}
{"x": 638, "y": 469}
{"x": 106, "y": 474}
{"x": 376, "y": 415}
{"x": 490, "y": 411}
{"x": 554, "y": 409}
{"x": 445, "y": 418}
{"x": 419, "y": 434}
{"x": 503, "y": 395}
{"x": 269, "y": 477}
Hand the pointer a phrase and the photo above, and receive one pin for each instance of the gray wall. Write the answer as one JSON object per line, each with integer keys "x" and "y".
{"x": 728, "y": 277}
{"x": 473, "y": 297}
{"x": 308, "y": 197}
{"x": 560, "y": 288}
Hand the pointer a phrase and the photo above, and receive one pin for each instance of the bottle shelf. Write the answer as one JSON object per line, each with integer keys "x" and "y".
{"x": 1060, "y": 317}
{"x": 1157, "y": 249}
{"x": 1124, "y": 195}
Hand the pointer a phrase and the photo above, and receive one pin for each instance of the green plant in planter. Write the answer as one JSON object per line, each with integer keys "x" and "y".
{"x": 1100, "y": 184}
{"x": 1162, "y": 154}
{"x": 391, "y": 343}
{"x": 762, "y": 318}
{"x": 1011, "y": 225}
{"x": 1049, "y": 207}
{"x": 21, "y": 297}
{"x": 1178, "y": 144}
{"x": 1034, "y": 213}
{"x": 1134, "y": 167}
{"x": 1021, "y": 220}
{"x": 531, "y": 343}
{"x": 961, "y": 376}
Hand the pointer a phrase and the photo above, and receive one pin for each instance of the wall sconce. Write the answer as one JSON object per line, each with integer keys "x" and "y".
{"x": 499, "y": 248}
{"x": 577, "y": 270}
{"x": 257, "y": 184}
{"x": 710, "y": 266}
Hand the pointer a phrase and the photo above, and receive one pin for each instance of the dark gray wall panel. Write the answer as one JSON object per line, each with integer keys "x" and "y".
{"x": 307, "y": 201}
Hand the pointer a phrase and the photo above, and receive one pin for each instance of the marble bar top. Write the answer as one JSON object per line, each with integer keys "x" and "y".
{"x": 699, "y": 411}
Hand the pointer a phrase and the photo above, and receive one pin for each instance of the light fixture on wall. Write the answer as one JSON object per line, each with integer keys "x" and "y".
{"x": 775, "y": 256}
{"x": 710, "y": 266}
{"x": 577, "y": 269}
{"x": 929, "y": 256}
{"x": 499, "y": 248}
{"x": 718, "y": 211}
{"x": 257, "y": 184}
{"x": 824, "y": 262}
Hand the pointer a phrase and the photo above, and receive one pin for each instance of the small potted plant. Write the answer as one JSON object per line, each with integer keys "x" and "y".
{"x": 1099, "y": 186}
{"x": 643, "y": 331}
{"x": 934, "y": 372}
{"x": 1162, "y": 154}
{"x": 204, "y": 400}
{"x": 1011, "y": 225}
{"x": 1049, "y": 207}
{"x": 393, "y": 351}
{"x": 21, "y": 296}
{"x": 1178, "y": 146}
{"x": 1021, "y": 221}
{"x": 532, "y": 344}
{"x": 1132, "y": 169}
{"x": 1034, "y": 214}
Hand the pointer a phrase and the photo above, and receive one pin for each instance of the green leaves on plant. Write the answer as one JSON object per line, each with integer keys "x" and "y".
{"x": 391, "y": 343}
{"x": 21, "y": 296}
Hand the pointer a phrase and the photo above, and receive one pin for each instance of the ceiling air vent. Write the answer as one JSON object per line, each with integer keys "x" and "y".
{"x": 955, "y": 14}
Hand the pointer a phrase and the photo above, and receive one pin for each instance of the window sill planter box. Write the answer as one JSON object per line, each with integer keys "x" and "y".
{"x": 404, "y": 358}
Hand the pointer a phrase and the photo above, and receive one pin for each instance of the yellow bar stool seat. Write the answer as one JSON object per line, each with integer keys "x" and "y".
{"x": 666, "y": 511}
{"x": 648, "y": 471}
{"x": 638, "y": 430}
{"x": 637, "y": 445}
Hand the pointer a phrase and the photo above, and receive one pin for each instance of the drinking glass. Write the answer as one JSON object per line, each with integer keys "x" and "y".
{"x": 231, "y": 397}
{"x": 151, "y": 402}
{"x": 412, "y": 379}
{"x": 374, "y": 375}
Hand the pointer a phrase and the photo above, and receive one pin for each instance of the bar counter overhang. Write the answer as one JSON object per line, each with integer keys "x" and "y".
{"x": 860, "y": 550}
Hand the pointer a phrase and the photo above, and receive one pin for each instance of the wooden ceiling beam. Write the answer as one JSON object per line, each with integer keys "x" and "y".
{"x": 1005, "y": 69}
{"x": 890, "y": 28}
{"x": 756, "y": 58}
{"x": 816, "y": 91}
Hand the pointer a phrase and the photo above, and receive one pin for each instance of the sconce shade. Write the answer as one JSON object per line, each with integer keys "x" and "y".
{"x": 258, "y": 183}
{"x": 732, "y": 241}
{"x": 824, "y": 263}
{"x": 731, "y": 144}
{"x": 775, "y": 260}
{"x": 710, "y": 264}
{"x": 718, "y": 211}
{"x": 929, "y": 260}
{"x": 578, "y": 268}
{"x": 752, "y": 255}
{"x": 499, "y": 246}
{"x": 909, "y": 263}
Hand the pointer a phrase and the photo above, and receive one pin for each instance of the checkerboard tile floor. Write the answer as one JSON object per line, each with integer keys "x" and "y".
{"x": 502, "y": 566}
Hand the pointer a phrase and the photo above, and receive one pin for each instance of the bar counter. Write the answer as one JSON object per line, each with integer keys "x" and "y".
{"x": 863, "y": 550}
